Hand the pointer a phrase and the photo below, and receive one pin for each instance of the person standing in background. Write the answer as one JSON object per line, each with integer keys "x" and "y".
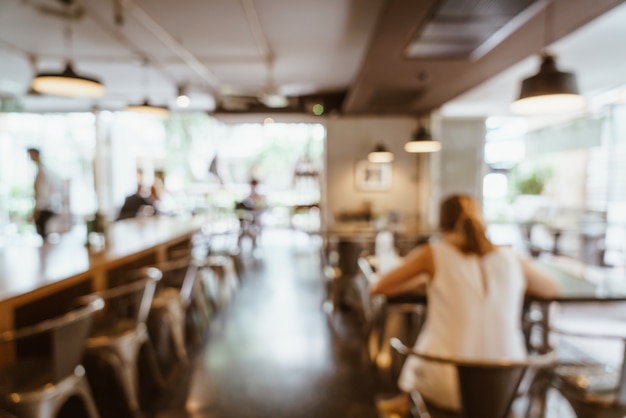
{"x": 48, "y": 196}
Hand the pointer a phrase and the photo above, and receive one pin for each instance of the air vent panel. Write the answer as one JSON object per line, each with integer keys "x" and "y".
{"x": 459, "y": 27}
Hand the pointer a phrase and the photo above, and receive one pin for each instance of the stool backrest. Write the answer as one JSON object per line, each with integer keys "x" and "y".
{"x": 130, "y": 301}
{"x": 66, "y": 335}
{"x": 180, "y": 274}
{"x": 600, "y": 339}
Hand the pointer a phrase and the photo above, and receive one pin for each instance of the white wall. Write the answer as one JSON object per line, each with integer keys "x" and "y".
{"x": 350, "y": 139}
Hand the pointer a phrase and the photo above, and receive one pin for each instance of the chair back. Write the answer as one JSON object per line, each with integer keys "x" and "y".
{"x": 180, "y": 274}
{"x": 370, "y": 305}
{"x": 487, "y": 389}
{"x": 589, "y": 375}
{"x": 129, "y": 302}
{"x": 66, "y": 335}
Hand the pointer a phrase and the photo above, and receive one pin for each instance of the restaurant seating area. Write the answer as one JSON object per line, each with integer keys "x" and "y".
{"x": 219, "y": 209}
{"x": 213, "y": 332}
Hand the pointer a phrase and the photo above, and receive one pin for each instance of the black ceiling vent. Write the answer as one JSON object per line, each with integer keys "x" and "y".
{"x": 459, "y": 27}
{"x": 394, "y": 98}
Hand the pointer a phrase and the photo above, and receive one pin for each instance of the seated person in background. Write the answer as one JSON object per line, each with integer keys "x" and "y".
{"x": 160, "y": 198}
{"x": 475, "y": 296}
{"x": 249, "y": 211}
{"x": 139, "y": 203}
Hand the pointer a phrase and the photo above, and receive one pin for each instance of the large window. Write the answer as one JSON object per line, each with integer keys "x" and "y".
{"x": 206, "y": 164}
{"x": 67, "y": 145}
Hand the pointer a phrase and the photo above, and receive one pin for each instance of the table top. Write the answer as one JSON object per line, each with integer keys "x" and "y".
{"x": 579, "y": 282}
{"x": 585, "y": 283}
{"x": 25, "y": 268}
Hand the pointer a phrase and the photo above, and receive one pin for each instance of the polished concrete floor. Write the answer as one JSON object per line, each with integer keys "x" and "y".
{"x": 270, "y": 351}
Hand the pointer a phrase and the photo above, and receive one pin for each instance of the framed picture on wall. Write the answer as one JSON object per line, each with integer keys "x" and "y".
{"x": 372, "y": 176}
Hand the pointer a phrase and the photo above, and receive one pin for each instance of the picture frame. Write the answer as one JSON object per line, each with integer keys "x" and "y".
{"x": 372, "y": 176}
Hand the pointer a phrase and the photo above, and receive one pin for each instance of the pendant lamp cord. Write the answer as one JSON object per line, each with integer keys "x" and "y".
{"x": 68, "y": 34}
{"x": 146, "y": 74}
{"x": 549, "y": 22}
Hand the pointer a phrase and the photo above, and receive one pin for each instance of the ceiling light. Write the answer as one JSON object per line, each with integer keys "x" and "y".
{"x": 182, "y": 99}
{"x": 549, "y": 91}
{"x": 146, "y": 108}
{"x": 422, "y": 141}
{"x": 67, "y": 83}
{"x": 274, "y": 100}
{"x": 149, "y": 109}
{"x": 380, "y": 154}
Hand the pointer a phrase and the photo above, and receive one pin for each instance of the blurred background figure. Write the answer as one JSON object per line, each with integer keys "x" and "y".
{"x": 48, "y": 194}
{"x": 161, "y": 199}
{"x": 249, "y": 212}
{"x": 140, "y": 203}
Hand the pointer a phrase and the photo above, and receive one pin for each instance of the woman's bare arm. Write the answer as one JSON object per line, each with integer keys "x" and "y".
{"x": 539, "y": 283}
{"x": 415, "y": 263}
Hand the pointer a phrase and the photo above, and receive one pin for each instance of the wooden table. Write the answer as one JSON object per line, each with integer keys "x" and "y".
{"x": 35, "y": 282}
{"x": 580, "y": 283}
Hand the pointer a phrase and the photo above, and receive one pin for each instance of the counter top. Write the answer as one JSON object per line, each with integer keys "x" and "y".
{"x": 25, "y": 268}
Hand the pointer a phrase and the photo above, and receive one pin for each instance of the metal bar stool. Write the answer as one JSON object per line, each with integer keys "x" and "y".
{"x": 47, "y": 370}
{"x": 487, "y": 388}
{"x": 120, "y": 331}
{"x": 179, "y": 307}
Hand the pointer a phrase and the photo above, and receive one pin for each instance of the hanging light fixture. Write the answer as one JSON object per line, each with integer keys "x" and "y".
{"x": 67, "y": 83}
{"x": 182, "y": 99}
{"x": 549, "y": 91}
{"x": 422, "y": 141}
{"x": 380, "y": 154}
{"x": 146, "y": 107}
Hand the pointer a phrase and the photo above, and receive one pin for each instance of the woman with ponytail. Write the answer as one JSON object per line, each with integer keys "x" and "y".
{"x": 475, "y": 295}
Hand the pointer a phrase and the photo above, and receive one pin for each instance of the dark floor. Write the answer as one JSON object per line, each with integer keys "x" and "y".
{"x": 270, "y": 352}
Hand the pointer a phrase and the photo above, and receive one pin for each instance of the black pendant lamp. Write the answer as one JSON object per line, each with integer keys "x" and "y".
{"x": 67, "y": 83}
{"x": 146, "y": 107}
{"x": 380, "y": 154}
{"x": 550, "y": 91}
{"x": 422, "y": 141}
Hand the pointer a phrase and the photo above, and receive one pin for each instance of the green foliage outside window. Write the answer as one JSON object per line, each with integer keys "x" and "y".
{"x": 529, "y": 182}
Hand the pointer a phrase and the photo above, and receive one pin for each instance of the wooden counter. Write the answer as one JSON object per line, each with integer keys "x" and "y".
{"x": 35, "y": 282}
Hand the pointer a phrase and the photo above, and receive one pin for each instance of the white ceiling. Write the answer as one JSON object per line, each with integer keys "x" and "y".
{"x": 303, "y": 46}
{"x": 212, "y": 46}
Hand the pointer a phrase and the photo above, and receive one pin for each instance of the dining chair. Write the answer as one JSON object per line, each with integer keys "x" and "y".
{"x": 46, "y": 372}
{"x": 119, "y": 332}
{"x": 594, "y": 387}
{"x": 178, "y": 313}
{"x": 387, "y": 317}
{"x": 487, "y": 388}
{"x": 219, "y": 275}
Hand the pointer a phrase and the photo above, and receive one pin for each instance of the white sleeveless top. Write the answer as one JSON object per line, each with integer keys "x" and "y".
{"x": 465, "y": 320}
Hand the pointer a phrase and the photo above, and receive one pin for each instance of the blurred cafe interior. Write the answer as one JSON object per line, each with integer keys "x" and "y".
{"x": 277, "y": 157}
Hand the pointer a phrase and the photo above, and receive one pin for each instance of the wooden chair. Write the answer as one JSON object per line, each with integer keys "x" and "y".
{"x": 487, "y": 389}
{"x": 47, "y": 370}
